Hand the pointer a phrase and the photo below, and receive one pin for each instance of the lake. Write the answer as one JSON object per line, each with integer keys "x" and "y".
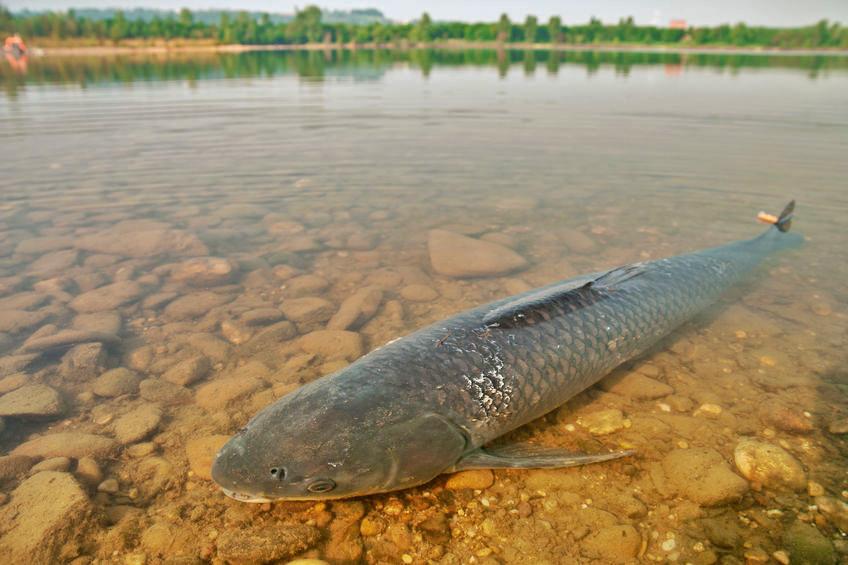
{"x": 174, "y": 230}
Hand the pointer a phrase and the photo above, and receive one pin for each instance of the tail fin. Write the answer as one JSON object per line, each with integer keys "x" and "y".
{"x": 784, "y": 221}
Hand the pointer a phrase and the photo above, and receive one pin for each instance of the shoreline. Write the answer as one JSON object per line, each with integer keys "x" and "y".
{"x": 179, "y": 48}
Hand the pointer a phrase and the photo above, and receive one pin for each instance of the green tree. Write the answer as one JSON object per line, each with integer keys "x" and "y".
{"x": 555, "y": 29}
{"x": 504, "y": 28}
{"x": 531, "y": 25}
{"x": 422, "y": 31}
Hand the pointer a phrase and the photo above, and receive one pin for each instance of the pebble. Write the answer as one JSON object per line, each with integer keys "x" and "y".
{"x": 332, "y": 344}
{"x": 67, "y": 444}
{"x": 109, "y": 486}
{"x": 116, "y": 382}
{"x": 236, "y": 332}
{"x": 261, "y": 316}
{"x": 194, "y": 305}
{"x": 88, "y": 471}
{"x": 51, "y": 464}
{"x": 141, "y": 449}
{"x": 32, "y": 401}
{"x": 13, "y": 382}
{"x": 703, "y": 476}
{"x": 137, "y": 424}
{"x": 12, "y": 466}
{"x": 455, "y": 255}
{"x": 806, "y": 545}
{"x": 219, "y": 393}
{"x": 604, "y": 422}
{"x": 768, "y": 465}
{"x": 814, "y": 489}
{"x": 201, "y": 452}
{"x": 108, "y": 297}
{"x": 357, "y": 309}
{"x": 162, "y": 391}
{"x": 189, "y": 370}
{"x": 142, "y": 238}
{"x": 304, "y": 285}
{"x": 477, "y": 479}
{"x": 637, "y": 386}
{"x": 838, "y": 427}
{"x": 265, "y": 544}
{"x": 418, "y": 293}
{"x": 781, "y": 557}
{"x": 308, "y": 310}
{"x": 203, "y": 271}
{"x": 835, "y": 510}
{"x": 619, "y": 543}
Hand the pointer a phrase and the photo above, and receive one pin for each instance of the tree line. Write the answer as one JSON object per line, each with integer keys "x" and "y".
{"x": 307, "y": 26}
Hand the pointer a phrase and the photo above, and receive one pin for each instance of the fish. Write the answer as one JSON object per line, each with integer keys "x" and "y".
{"x": 433, "y": 402}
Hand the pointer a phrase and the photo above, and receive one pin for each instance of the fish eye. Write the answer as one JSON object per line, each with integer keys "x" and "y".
{"x": 321, "y": 485}
{"x": 278, "y": 472}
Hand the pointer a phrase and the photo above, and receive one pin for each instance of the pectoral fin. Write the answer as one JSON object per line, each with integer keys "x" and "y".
{"x": 529, "y": 456}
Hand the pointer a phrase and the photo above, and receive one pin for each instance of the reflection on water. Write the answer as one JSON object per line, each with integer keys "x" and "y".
{"x": 173, "y": 235}
{"x": 371, "y": 64}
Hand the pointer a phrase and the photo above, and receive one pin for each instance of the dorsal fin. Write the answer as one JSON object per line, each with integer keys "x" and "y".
{"x": 523, "y": 310}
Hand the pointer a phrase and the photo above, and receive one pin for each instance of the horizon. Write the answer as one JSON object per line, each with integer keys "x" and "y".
{"x": 775, "y": 13}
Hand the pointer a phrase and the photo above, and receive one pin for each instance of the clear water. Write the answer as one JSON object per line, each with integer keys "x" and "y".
{"x": 337, "y": 166}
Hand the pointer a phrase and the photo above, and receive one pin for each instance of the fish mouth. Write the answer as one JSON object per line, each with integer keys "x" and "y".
{"x": 241, "y": 497}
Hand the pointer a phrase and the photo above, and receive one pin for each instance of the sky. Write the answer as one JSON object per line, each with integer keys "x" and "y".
{"x": 659, "y": 12}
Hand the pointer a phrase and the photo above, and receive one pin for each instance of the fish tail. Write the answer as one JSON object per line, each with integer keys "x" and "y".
{"x": 784, "y": 221}
{"x": 777, "y": 237}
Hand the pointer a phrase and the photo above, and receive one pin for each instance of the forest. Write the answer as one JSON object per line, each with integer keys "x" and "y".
{"x": 308, "y": 26}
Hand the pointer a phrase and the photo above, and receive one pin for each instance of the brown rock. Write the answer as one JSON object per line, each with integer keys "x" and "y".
{"x": 13, "y": 466}
{"x": 54, "y": 262}
{"x": 83, "y": 362}
{"x": 137, "y": 424}
{"x": 332, "y": 344}
{"x": 201, "y": 453}
{"x": 418, "y": 293}
{"x": 478, "y": 479}
{"x": 142, "y": 238}
{"x": 13, "y": 382}
{"x": 308, "y": 310}
{"x": 32, "y": 401}
{"x": 164, "y": 392}
{"x": 456, "y": 255}
{"x": 220, "y": 392}
{"x": 703, "y": 476}
{"x": 116, "y": 382}
{"x": 614, "y": 544}
{"x": 261, "y": 316}
{"x": 194, "y": 305}
{"x": 188, "y": 370}
{"x": 265, "y": 544}
{"x": 67, "y": 444}
{"x": 101, "y": 322}
{"x": 305, "y": 285}
{"x": 768, "y": 465}
{"x": 637, "y": 386}
{"x": 67, "y": 338}
{"x": 14, "y": 320}
{"x": 204, "y": 271}
{"x": 357, "y": 309}
{"x": 107, "y": 297}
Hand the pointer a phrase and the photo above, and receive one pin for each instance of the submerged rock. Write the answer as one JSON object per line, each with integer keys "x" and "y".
{"x": 46, "y": 513}
{"x": 266, "y": 544}
{"x": 455, "y": 255}
{"x": 116, "y": 382}
{"x": 201, "y": 453}
{"x": 83, "y": 362}
{"x": 807, "y": 546}
{"x": 703, "y": 476}
{"x": 33, "y": 401}
{"x": 357, "y": 309}
{"x": 768, "y": 465}
{"x": 477, "y": 479}
{"x": 194, "y": 305}
{"x": 637, "y": 386}
{"x": 309, "y": 310}
{"x": 604, "y": 422}
{"x": 67, "y": 444}
{"x": 67, "y": 338}
{"x": 220, "y": 392}
{"x": 614, "y": 544}
{"x": 189, "y": 370}
{"x": 107, "y": 297}
{"x": 142, "y": 238}
{"x": 137, "y": 424}
{"x": 204, "y": 271}
{"x": 332, "y": 344}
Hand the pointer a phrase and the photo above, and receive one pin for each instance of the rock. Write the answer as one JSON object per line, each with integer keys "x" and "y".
{"x": 13, "y": 382}
{"x": 235, "y": 332}
{"x": 67, "y": 338}
{"x": 345, "y": 544}
{"x": 188, "y": 370}
{"x": 170, "y": 543}
{"x": 807, "y": 546}
{"x": 12, "y": 364}
{"x": 614, "y": 544}
{"x": 15, "y": 321}
{"x": 768, "y": 465}
{"x": 357, "y": 309}
{"x": 305, "y": 285}
{"x": 201, "y": 452}
{"x": 455, "y": 255}
{"x": 576, "y": 241}
{"x": 142, "y": 238}
{"x": 194, "y": 305}
{"x": 265, "y": 544}
{"x": 785, "y": 418}
{"x": 636, "y": 386}
{"x": 101, "y": 322}
{"x": 261, "y": 316}
{"x": 116, "y": 382}
{"x": 703, "y": 476}
{"x": 107, "y": 297}
{"x": 211, "y": 346}
{"x": 477, "y": 479}
{"x": 270, "y": 337}
{"x": 32, "y": 401}
{"x": 83, "y": 362}
{"x": 309, "y": 310}
{"x": 67, "y": 444}
{"x": 137, "y": 424}
{"x": 835, "y": 510}
{"x": 35, "y": 245}
{"x": 88, "y": 471}
{"x": 54, "y": 262}
{"x": 418, "y": 293}
{"x": 47, "y": 513}
{"x": 332, "y": 344}
{"x": 604, "y": 422}
{"x": 838, "y": 427}
{"x": 109, "y": 486}
{"x": 220, "y": 392}
{"x": 203, "y": 271}
{"x": 12, "y": 466}
{"x": 158, "y": 390}
{"x": 51, "y": 464}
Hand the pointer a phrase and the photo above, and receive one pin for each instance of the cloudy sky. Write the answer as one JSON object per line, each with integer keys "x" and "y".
{"x": 697, "y": 12}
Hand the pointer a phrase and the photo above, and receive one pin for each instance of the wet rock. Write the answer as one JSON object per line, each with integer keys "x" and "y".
{"x": 204, "y": 271}
{"x": 52, "y": 464}
{"x": 345, "y": 544}
{"x": 703, "y": 476}
{"x": 332, "y": 344}
{"x": 13, "y": 382}
{"x": 357, "y": 309}
{"x": 170, "y": 541}
{"x": 35, "y": 245}
{"x": 47, "y": 513}
{"x": 418, "y": 293}
{"x": 12, "y": 364}
{"x": 101, "y": 322}
{"x": 137, "y": 424}
{"x": 67, "y": 338}
{"x": 194, "y": 305}
{"x": 107, "y": 297}
{"x": 23, "y": 301}
{"x": 236, "y": 332}
{"x": 577, "y": 241}
{"x": 157, "y": 300}
{"x": 188, "y": 370}
{"x": 67, "y": 444}
{"x": 807, "y": 546}
{"x": 83, "y": 362}
{"x": 836, "y": 511}
{"x": 309, "y": 310}
{"x": 109, "y": 486}
{"x": 604, "y": 422}
{"x": 88, "y": 471}
{"x": 614, "y": 544}
{"x": 261, "y": 316}
{"x": 838, "y": 427}
{"x": 455, "y": 255}
{"x": 32, "y": 401}
{"x": 477, "y": 479}
{"x": 220, "y": 392}
{"x": 769, "y": 465}
{"x": 270, "y": 337}
{"x": 211, "y": 346}
{"x": 15, "y": 321}
{"x": 201, "y": 453}
{"x": 54, "y": 262}
{"x": 305, "y": 285}
{"x": 164, "y": 392}
{"x": 265, "y": 544}
{"x": 12, "y": 466}
{"x": 636, "y": 386}
{"x": 116, "y": 382}
{"x": 142, "y": 238}
{"x": 785, "y": 418}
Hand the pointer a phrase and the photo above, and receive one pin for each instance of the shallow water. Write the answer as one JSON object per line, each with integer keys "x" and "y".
{"x": 313, "y": 175}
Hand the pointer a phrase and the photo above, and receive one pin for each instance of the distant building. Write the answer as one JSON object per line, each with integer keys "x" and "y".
{"x": 677, "y": 24}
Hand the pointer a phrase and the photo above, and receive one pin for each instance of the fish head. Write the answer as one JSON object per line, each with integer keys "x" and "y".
{"x": 317, "y": 444}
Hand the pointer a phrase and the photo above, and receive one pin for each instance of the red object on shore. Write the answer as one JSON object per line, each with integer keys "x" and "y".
{"x": 15, "y": 45}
